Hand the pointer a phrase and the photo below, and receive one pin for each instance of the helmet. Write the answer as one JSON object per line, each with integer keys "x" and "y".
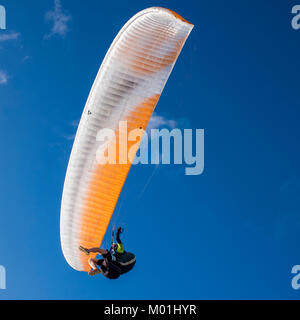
{"x": 117, "y": 247}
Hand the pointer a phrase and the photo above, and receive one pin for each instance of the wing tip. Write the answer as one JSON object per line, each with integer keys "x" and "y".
{"x": 175, "y": 14}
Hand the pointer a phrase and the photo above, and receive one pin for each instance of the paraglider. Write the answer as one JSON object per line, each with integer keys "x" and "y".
{"x": 127, "y": 88}
{"x": 116, "y": 261}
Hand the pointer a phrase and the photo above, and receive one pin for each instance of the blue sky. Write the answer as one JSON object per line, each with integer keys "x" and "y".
{"x": 230, "y": 233}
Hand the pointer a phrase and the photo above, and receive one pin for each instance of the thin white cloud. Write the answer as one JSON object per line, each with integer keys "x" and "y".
{"x": 9, "y": 36}
{"x": 75, "y": 123}
{"x": 157, "y": 122}
{"x": 3, "y": 77}
{"x": 70, "y": 137}
{"x": 161, "y": 122}
{"x": 60, "y": 20}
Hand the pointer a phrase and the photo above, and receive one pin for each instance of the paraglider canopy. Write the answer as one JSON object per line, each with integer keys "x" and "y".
{"x": 127, "y": 88}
